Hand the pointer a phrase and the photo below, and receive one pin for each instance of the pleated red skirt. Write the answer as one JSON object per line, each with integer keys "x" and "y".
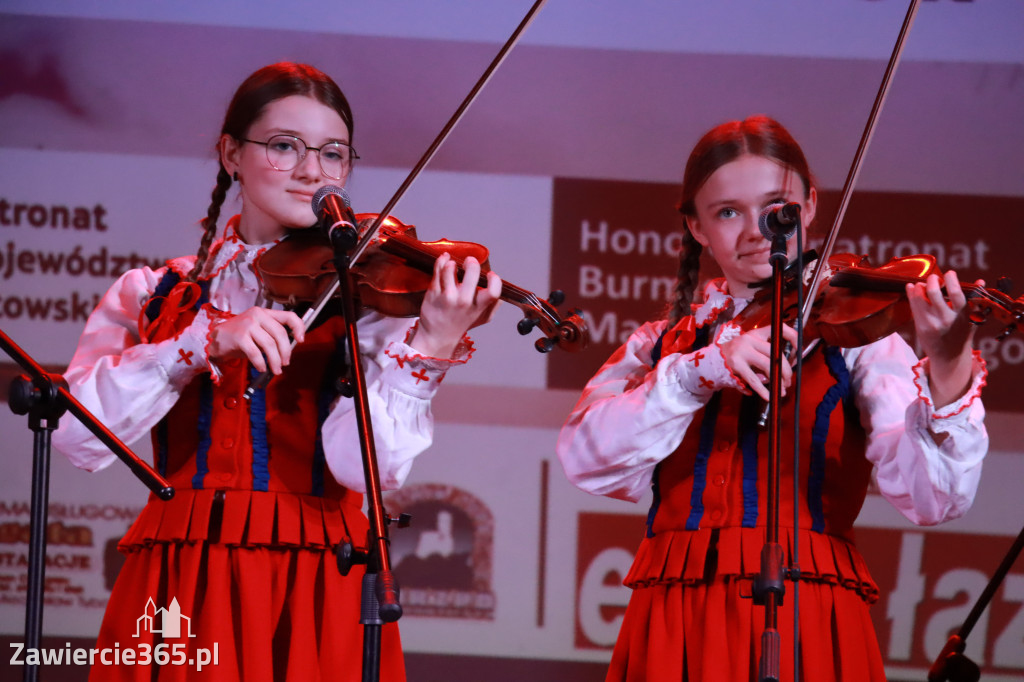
{"x": 269, "y": 614}
{"x": 709, "y": 632}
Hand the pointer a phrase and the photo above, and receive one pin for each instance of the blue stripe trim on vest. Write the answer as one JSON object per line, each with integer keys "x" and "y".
{"x": 153, "y": 307}
{"x": 203, "y": 426}
{"x": 700, "y": 466}
{"x": 656, "y": 351}
{"x": 822, "y": 417}
{"x": 324, "y": 399}
{"x": 204, "y": 294}
{"x": 707, "y": 439}
{"x": 323, "y": 406}
{"x": 163, "y": 287}
{"x": 161, "y": 446}
{"x": 258, "y": 430}
{"x": 655, "y": 501}
{"x": 700, "y": 341}
{"x": 748, "y": 435}
{"x": 329, "y": 392}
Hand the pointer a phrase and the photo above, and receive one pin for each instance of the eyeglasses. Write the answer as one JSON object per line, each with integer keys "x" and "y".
{"x": 285, "y": 152}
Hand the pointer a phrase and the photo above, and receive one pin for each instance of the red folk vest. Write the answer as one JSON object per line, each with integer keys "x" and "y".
{"x": 711, "y": 493}
{"x": 251, "y": 472}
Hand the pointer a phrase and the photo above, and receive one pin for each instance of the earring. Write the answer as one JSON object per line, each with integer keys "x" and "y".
{"x": 235, "y": 176}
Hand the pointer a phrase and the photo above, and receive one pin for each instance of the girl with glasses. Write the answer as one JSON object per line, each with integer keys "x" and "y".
{"x": 267, "y": 488}
{"x": 675, "y": 409}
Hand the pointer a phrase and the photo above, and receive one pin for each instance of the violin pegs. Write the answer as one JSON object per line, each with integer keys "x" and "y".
{"x": 556, "y": 298}
{"x": 525, "y": 325}
{"x": 544, "y": 344}
{"x": 1005, "y": 285}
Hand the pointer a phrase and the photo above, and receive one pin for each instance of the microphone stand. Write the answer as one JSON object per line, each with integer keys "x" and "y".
{"x": 380, "y": 595}
{"x": 951, "y": 665}
{"x": 769, "y": 588}
{"x": 44, "y": 397}
{"x": 379, "y": 584}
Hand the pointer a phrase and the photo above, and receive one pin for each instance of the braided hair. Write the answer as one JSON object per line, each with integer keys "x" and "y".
{"x": 757, "y": 135}
{"x": 264, "y": 86}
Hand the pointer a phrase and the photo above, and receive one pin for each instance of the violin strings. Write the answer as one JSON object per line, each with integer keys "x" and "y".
{"x": 530, "y": 298}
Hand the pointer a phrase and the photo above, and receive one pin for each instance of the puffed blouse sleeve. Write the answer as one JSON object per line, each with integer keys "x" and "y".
{"x": 128, "y": 385}
{"x": 632, "y": 415}
{"x": 400, "y": 384}
{"x": 928, "y": 461}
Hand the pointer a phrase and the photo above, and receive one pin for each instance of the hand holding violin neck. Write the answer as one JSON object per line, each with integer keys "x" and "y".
{"x": 945, "y": 333}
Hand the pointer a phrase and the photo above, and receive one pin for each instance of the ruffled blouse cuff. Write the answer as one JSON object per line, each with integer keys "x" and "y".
{"x": 703, "y": 371}
{"x": 184, "y": 356}
{"x": 208, "y": 319}
{"x": 957, "y": 410}
{"x": 421, "y": 375}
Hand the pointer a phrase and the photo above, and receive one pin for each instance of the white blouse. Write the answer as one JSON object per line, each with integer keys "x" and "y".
{"x": 130, "y": 385}
{"x": 631, "y": 416}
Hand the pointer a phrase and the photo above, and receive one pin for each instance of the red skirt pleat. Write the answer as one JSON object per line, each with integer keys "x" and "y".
{"x": 274, "y": 614}
{"x": 711, "y": 632}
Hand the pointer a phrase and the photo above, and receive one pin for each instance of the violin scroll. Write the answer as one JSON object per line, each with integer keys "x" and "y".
{"x": 570, "y": 333}
{"x": 995, "y": 304}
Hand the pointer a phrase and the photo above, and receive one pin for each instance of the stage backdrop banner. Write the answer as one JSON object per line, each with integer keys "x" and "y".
{"x": 567, "y": 169}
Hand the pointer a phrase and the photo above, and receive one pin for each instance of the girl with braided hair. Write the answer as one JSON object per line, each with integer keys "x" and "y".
{"x": 675, "y": 409}
{"x": 267, "y": 488}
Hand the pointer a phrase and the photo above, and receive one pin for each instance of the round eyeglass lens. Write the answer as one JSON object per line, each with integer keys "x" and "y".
{"x": 284, "y": 152}
{"x": 335, "y": 159}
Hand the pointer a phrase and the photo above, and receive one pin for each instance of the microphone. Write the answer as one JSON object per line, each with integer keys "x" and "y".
{"x": 332, "y": 207}
{"x": 779, "y": 220}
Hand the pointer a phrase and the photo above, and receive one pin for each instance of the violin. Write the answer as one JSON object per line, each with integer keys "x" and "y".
{"x": 393, "y": 274}
{"x": 858, "y": 303}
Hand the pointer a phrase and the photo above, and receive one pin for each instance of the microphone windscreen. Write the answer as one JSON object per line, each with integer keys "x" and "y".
{"x": 768, "y": 225}
{"x": 318, "y": 198}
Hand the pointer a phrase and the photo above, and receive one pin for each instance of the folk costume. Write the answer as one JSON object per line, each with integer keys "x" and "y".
{"x": 265, "y": 489}
{"x": 665, "y": 413}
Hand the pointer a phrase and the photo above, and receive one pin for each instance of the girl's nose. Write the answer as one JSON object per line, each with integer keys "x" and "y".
{"x": 750, "y": 227}
{"x": 309, "y": 166}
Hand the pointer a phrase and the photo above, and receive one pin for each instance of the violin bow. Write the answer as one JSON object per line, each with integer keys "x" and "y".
{"x": 385, "y": 587}
{"x": 851, "y": 177}
{"x": 320, "y": 303}
{"x": 768, "y": 665}
{"x": 807, "y": 304}
{"x": 371, "y": 232}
